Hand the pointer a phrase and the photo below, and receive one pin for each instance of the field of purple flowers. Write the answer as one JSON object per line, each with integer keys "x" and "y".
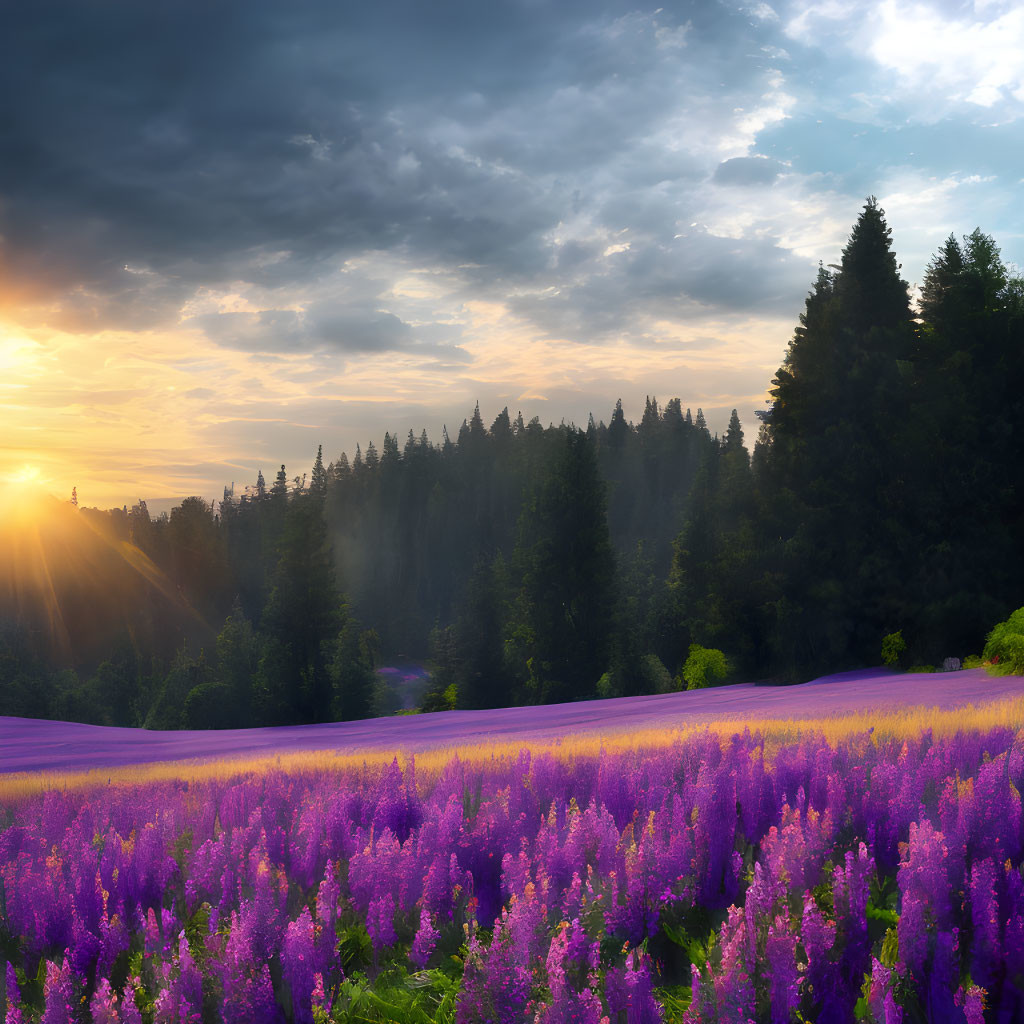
{"x": 713, "y": 879}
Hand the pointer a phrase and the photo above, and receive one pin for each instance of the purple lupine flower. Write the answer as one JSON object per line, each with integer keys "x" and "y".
{"x": 630, "y": 992}
{"x": 320, "y": 999}
{"x": 850, "y": 888}
{"x": 380, "y": 922}
{"x": 189, "y": 984}
{"x": 974, "y": 1005}
{"x": 128, "y": 1010}
{"x": 818, "y": 937}
{"x": 14, "y": 1014}
{"x": 986, "y": 948}
{"x": 59, "y": 994}
{"x": 881, "y": 1003}
{"x": 734, "y": 984}
{"x": 103, "y": 1005}
{"x": 297, "y": 963}
{"x": 784, "y": 984}
{"x": 498, "y": 978}
{"x": 572, "y": 977}
{"x": 424, "y": 942}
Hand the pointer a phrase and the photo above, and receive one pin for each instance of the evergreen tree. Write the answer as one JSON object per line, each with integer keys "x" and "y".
{"x": 318, "y": 478}
{"x": 838, "y": 426}
{"x": 501, "y": 428}
{"x": 351, "y": 671}
{"x": 618, "y": 428}
{"x": 651, "y": 420}
{"x": 482, "y": 678}
{"x": 303, "y": 616}
{"x": 389, "y": 453}
{"x": 476, "y": 424}
{"x": 341, "y": 468}
{"x": 734, "y": 436}
{"x": 568, "y": 566}
{"x": 237, "y": 663}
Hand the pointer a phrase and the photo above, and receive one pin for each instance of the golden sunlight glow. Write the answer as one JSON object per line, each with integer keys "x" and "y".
{"x": 164, "y": 414}
{"x": 51, "y": 553}
{"x": 26, "y": 475}
{"x": 22, "y": 500}
{"x": 883, "y": 724}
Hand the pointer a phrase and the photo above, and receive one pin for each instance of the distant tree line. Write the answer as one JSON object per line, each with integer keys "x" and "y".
{"x": 534, "y": 564}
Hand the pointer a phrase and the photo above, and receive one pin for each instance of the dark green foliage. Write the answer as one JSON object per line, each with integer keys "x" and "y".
{"x": 25, "y": 684}
{"x": 113, "y": 692}
{"x": 239, "y": 651}
{"x": 187, "y": 674}
{"x": 303, "y": 617}
{"x": 350, "y": 671}
{"x": 209, "y": 706}
{"x": 483, "y": 679}
{"x": 318, "y": 478}
{"x": 565, "y": 554}
{"x": 884, "y": 481}
{"x": 198, "y": 562}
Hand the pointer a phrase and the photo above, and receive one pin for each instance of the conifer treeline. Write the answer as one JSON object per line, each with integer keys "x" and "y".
{"x": 535, "y": 564}
{"x": 886, "y": 487}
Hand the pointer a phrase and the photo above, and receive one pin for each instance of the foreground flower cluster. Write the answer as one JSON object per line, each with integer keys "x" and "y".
{"x": 705, "y": 881}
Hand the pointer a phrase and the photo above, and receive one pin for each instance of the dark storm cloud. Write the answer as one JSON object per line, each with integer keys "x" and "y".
{"x": 151, "y": 149}
{"x": 320, "y": 326}
{"x": 681, "y": 278}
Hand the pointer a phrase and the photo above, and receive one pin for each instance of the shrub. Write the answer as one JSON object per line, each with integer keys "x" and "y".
{"x": 893, "y": 646}
{"x": 704, "y": 662}
{"x": 657, "y": 678}
{"x": 1004, "y": 646}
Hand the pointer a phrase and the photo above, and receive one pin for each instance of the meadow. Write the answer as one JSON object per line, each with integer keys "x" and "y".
{"x": 845, "y": 850}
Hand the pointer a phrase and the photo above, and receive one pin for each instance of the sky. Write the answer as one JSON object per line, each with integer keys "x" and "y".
{"x": 231, "y": 232}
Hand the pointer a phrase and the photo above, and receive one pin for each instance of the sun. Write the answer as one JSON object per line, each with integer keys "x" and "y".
{"x": 26, "y": 475}
{"x": 24, "y": 497}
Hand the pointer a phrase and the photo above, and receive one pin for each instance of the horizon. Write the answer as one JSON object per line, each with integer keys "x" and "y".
{"x": 220, "y": 249}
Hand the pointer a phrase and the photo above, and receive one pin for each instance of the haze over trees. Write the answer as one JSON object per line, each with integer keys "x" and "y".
{"x": 532, "y": 564}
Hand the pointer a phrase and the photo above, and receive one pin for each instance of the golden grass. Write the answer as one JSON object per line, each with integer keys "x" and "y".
{"x": 884, "y": 725}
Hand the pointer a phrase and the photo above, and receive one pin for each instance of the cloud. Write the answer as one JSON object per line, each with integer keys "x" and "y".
{"x": 937, "y": 59}
{"x": 155, "y": 159}
{"x": 748, "y": 170}
{"x": 226, "y": 230}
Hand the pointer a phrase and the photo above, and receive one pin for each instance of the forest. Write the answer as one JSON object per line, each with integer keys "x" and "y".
{"x": 527, "y": 564}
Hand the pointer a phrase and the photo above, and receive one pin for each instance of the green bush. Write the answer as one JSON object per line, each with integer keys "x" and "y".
{"x": 973, "y": 661}
{"x": 209, "y": 706}
{"x": 1004, "y": 646}
{"x": 657, "y": 678}
{"x": 606, "y": 687}
{"x": 893, "y": 646}
{"x": 703, "y": 664}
